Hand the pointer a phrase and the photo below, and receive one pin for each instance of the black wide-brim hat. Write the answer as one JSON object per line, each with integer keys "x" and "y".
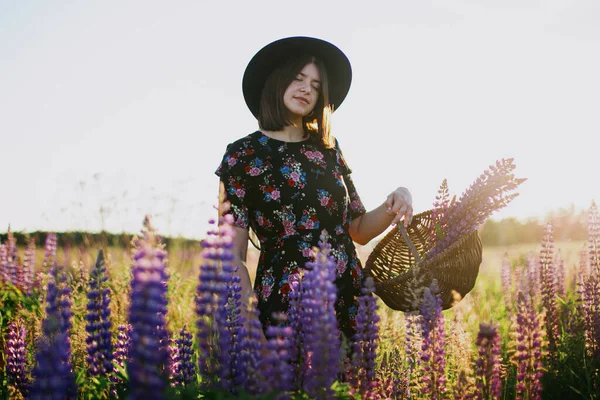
{"x": 339, "y": 71}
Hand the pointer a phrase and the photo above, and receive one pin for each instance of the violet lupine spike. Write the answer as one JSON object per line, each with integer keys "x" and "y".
{"x": 148, "y": 355}
{"x": 120, "y": 354}
{"x": 506, "y": 278}
{"x": 4, "y": 275}
{"x": 232, "y": 372}
{"x": 29, "y": 266}
{"x": 488, "y": 363}
{"x": 250, "y": 342}
{"x": 485, "y": 196}
{"x": 182, "y": 367}
{"x": 560, "y": 281}
{"x": 366, "y": 339}
{"x": 99, "y": 345}
{"x": 533, "y": 277}
{"x": 413, "y": 342}
{"x": 12, "y": 260}
{"x": 549, "y": 292}
{"x": 50, "y": 247}
{"x": 16, "y": 359}
{"x": 594, "y": 240}
{"x": 212, "y": 295}
{"x": 277, "y": 365}
{"x": 320, "y": 332}
{"x": 591, "y": 314}
{"x": 433, "y": 354}
{"x": 439, "y": 214}
{"x": 53, "y": 376}
{"x": 528, "y": 342}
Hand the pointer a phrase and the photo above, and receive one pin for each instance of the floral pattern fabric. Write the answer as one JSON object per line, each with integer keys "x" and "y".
{"x": 288, "y": 193}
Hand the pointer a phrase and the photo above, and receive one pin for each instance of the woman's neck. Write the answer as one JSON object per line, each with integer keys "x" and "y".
{"x": 290, "y": 133}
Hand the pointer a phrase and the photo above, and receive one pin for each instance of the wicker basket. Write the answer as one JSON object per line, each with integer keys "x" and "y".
{"x": 401, "y": 276}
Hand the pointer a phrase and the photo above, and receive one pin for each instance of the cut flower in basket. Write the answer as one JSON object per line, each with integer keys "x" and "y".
{"x": 452, "y": 219}
{"x": 441, "y": 243}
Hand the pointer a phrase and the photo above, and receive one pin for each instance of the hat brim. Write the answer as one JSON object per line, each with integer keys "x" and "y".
{"x": 339, "y": 71}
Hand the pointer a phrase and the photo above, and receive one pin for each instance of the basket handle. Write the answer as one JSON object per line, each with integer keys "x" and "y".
{"x": 411, "y": 246}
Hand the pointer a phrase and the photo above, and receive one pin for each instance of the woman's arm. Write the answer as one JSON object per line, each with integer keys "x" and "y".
{"x": 398, "y": 205}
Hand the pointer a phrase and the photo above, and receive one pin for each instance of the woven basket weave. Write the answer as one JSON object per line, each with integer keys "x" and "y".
{"x": 401, "y": 276}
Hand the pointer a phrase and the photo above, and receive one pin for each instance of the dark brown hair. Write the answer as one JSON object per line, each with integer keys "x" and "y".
{"x": 272, "y": 112}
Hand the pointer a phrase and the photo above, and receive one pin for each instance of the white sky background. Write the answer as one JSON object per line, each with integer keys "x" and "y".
{"x": 128, "y": 106}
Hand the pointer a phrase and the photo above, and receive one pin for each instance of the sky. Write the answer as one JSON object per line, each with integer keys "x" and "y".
{"x": 113, "y": 110}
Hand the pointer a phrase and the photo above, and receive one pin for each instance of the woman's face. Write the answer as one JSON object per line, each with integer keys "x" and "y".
{"x": 302, "y": 94}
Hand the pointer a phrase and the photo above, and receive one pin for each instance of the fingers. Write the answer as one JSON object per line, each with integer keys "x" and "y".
{"x": 399, "y": 204}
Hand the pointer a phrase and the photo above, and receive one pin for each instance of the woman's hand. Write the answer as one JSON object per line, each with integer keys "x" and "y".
{"x": 399, "y": 204}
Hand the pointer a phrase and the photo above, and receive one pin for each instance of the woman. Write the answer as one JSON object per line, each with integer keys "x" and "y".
{"x": 288, "y": 181}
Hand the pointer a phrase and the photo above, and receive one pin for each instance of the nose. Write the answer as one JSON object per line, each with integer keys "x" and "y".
{"x": 306, "y": 87}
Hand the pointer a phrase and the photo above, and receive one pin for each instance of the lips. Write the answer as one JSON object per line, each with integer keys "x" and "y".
{"x": 302, "y": 100}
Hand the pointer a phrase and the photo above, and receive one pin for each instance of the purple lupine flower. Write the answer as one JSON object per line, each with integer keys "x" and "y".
{"x": 486, "y": 195}
{"x": 488, "y": 362}
{"x": 250, "y": 342}
{"x": 4, "y": 274}
{"x": 548, "y": 280}
{"x": 50, "y": 251}
{"x": 594, "y": 240}
{"x": 183, "y": 370}
{"x": 433, "y": 362}
{"x": 528, "y": 342}
{"x": 532, "y": 278}
{"x": 439, "y": 214}
{"x": 16, "y": 358}
{"x": 99, "y": 346}
{"x": 29, "y": 266}
{"x": 320, "y": 332}
{"x": 12, "y": 260}
{"x": 120, "y": 356}
{"x": 277, "y": 366}
{"x": 506, "y": 275}
{"x": 413, "y": 342}
{"x": 212, "y": 295}
{"x": 229, "y": 320}
{"x": 561, "y": 286}
{"x": 148, "y": 355}
{"x": 53, "y": 376}
{"x": 591, "y": 286}
{"x": 365, "y": 340}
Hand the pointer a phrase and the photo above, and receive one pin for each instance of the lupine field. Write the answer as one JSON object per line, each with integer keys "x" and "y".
{"x": 147, "y": 321}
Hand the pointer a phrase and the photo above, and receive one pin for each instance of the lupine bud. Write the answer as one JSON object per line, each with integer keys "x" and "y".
{"x": 147, "y": 316}
{"x": 99, "y": 346}
{"x": 16, "y": 357}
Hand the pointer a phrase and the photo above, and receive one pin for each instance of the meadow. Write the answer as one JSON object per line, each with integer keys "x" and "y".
{"x": 149, "y": 321}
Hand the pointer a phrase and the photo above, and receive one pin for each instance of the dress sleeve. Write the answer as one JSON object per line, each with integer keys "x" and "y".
{"x": 231, "y": 173}
{"x": 357, "y": 207}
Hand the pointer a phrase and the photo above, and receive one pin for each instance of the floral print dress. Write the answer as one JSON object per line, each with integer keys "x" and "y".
{"x": 288, "y": 193}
